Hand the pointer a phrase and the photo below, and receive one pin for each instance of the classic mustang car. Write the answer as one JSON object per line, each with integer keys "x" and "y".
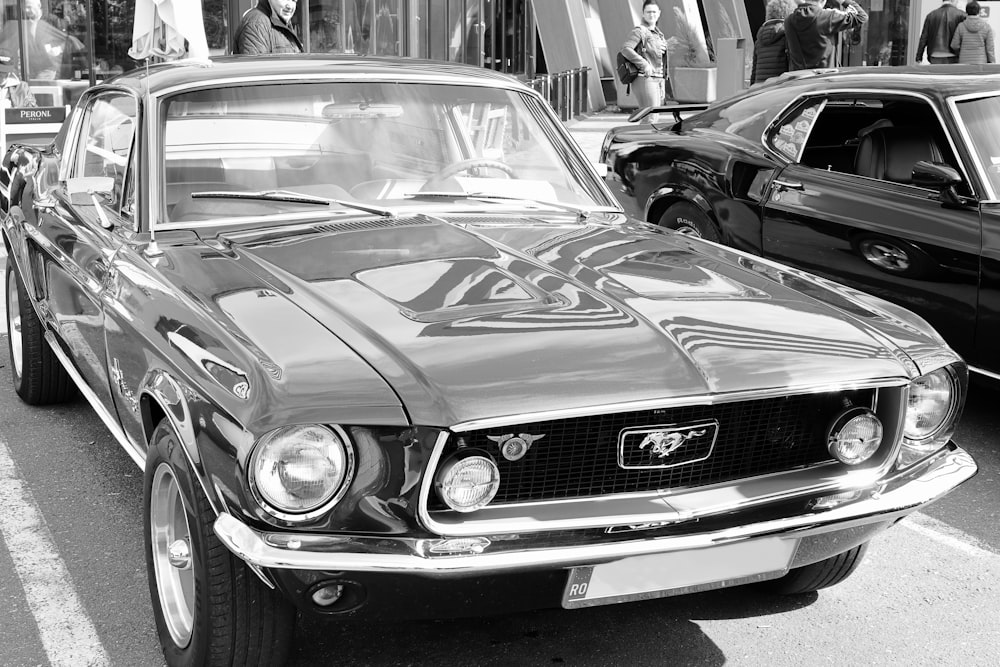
{"x": 885, "y": 179}
{"x": 383, "y": 343}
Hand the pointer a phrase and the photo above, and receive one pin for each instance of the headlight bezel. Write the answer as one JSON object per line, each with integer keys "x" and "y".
{"x": 273, "y": 508}
{"x": 915, "y": 448}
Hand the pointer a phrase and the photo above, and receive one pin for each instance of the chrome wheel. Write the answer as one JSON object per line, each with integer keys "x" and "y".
{"x": 687, "y": 227}
{"x": 171, "y": 551}
{"x": 14, "y": 324}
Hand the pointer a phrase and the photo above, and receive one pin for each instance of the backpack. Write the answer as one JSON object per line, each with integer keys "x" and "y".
{"x": 627, "y": 70}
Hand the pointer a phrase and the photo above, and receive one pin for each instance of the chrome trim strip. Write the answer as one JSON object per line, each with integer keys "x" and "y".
{"x": 137, "y": 456}
{"x": 387, "y": 555}
{"x": 658, "y": 403}
{"x": 980, "y": 371}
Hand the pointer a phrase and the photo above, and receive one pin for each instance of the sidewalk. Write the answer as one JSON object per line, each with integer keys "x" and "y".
{"x": 589, "y": 130}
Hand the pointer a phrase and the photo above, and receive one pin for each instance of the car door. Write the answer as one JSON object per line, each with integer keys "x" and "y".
{"x": 843, "y": 207}
{"x": 77, "y": 235}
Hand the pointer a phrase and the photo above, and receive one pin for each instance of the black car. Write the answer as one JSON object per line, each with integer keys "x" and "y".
{"x": 884, "y": 179}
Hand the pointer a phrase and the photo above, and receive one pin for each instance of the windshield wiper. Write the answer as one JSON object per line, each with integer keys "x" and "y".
{"x": 582, "y": 214}
{"x": 293, "y": 197}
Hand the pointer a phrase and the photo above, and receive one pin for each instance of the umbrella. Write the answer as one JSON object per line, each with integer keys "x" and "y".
{"x": 162, "y": 27}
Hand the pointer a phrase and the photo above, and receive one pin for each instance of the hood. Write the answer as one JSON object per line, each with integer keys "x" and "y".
{"x": 771, "y": 32}
{"x": 804, "y": 16}
{"x": 975, "y": 23}
{"x": 480, "y": 316}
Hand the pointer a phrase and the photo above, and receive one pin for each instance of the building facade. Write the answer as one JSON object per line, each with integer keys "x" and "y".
{"x": 61, "y": 46}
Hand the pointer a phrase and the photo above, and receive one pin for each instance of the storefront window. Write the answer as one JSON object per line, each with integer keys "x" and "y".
{"x": 364, "y": 27}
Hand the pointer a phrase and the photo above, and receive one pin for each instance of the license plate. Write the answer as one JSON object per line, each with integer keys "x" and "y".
{"x": 660, "y": 575}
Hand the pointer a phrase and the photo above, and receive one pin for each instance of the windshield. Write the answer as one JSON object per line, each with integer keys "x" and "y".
{"x": 380, "y": 144}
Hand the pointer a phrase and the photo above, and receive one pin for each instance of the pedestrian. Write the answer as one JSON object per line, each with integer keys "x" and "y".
{"x": 266, "y": 28}
{"x": 770, "y": 50}
{"x": 937, "y": 33}
{"x": 812, "y": 30}
{"x": 973, "y": 40}
{"x": 644, "y": 47}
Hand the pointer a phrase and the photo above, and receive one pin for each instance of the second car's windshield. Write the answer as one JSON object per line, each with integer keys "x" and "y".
{"x": 377, "y": 143}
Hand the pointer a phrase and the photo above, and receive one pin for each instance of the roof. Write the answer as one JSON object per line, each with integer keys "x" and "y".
{"x": 167, "y": 75}
{"x": 941, "y": 80}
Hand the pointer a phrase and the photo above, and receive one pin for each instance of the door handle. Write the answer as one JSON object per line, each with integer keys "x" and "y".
{"x": 789, "y": 185}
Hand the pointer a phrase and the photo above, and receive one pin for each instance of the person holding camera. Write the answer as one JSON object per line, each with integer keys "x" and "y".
{"x": 811, "y": 32}
{"x": 644, "y": 47}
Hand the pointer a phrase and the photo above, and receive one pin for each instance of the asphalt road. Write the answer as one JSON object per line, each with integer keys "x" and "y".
{"x": 928, "y": 593}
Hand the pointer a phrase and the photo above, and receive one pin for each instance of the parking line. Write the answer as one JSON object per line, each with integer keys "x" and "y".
{"x": 68, "y": 636}
{"x": 941, "y": 532}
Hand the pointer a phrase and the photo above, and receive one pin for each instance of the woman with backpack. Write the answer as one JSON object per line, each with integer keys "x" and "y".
{"x": 770, "y": 51}
{"x": 644, "y": 47}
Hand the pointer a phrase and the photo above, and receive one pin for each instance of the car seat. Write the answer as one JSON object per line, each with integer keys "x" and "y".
{"x": 889, "y": 153}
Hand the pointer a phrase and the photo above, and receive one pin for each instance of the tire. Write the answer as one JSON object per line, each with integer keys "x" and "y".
{"x": 39, "y": 378}
{"x": 209, "y": 607}
{"x": 819, "y": 575}
{"x": 689, "y": 219}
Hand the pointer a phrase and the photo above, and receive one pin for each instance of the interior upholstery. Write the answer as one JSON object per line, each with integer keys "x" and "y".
{"x": 889, "y": 153}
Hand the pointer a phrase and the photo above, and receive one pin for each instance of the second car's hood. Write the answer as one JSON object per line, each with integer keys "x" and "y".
{"x": 474, "y": 317}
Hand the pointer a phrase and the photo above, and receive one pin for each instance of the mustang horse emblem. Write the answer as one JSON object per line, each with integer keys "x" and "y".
{"x": 664, "y": 443}
{"x": 514, "y": 447}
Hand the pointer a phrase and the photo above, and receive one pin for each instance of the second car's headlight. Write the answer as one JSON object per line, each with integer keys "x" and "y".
{"x": 931, "y": 411}
{"x": 299, "y": 469}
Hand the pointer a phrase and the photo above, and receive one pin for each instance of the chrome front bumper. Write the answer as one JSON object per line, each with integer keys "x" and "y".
{"x": 876, "y": 508}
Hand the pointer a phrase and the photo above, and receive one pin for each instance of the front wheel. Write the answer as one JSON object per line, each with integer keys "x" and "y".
{"x": 825, "y": 573}
{"x": 39, "y": 378}
{"x": 210, "y": 608}
{"x": 688, "y": 219}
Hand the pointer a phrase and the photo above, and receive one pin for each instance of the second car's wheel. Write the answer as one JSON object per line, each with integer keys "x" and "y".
{"x": 688, "y": 219}
{"x": 210, "y": 608}
{"x": 823, "y": 574}
{"x": 39, "y": 378}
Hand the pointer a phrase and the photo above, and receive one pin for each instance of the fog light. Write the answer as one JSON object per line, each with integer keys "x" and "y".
{"x": 855, "y": 436}
{"x": 328, "y": 594}
{"x": 468, "y": 481}
{"x": 829, "y": 502}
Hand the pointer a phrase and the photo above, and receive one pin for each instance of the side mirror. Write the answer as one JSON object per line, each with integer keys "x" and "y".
{"x": 89, "y": 190}
{"x": 938, "y": 176}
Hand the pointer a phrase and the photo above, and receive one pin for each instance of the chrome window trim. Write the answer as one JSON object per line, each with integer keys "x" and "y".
{"x": 952, "y": 103}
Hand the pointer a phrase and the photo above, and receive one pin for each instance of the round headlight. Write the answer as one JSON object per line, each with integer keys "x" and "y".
{"x": 930, "y": 405}
{"x": 468, "y": 482}
{"x": 855, "y": 436}
{"x": 297, "y": 469}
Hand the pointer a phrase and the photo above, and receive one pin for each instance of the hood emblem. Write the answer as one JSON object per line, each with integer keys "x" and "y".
{"x": 514, "y": 447}
{"x": 665, "y": 443}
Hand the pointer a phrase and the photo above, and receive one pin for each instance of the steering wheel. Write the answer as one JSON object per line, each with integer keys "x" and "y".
{"x": 465, "y": 165}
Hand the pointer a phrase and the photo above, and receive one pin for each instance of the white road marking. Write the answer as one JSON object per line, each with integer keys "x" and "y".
{"x": 941, "y": 532}
{"x": 68, "y": 636}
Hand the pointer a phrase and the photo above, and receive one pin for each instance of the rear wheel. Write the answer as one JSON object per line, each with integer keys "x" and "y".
{"x": 687, "y": 218}
{"x": 210, "y": 608}
{"x": 819, "y": 575}
{"x": 39, "y": 378}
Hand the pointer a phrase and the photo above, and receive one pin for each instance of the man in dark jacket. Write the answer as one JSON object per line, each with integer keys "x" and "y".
{"x": 266, "y": 28}
{"x": 811, "y": 32}
{"x": 936, "y": 36}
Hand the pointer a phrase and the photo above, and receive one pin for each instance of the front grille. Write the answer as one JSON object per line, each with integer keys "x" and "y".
{"x": 579, "y": 457}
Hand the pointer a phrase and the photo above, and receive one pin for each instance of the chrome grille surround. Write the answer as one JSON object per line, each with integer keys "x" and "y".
{"x": 771, "y": 446}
